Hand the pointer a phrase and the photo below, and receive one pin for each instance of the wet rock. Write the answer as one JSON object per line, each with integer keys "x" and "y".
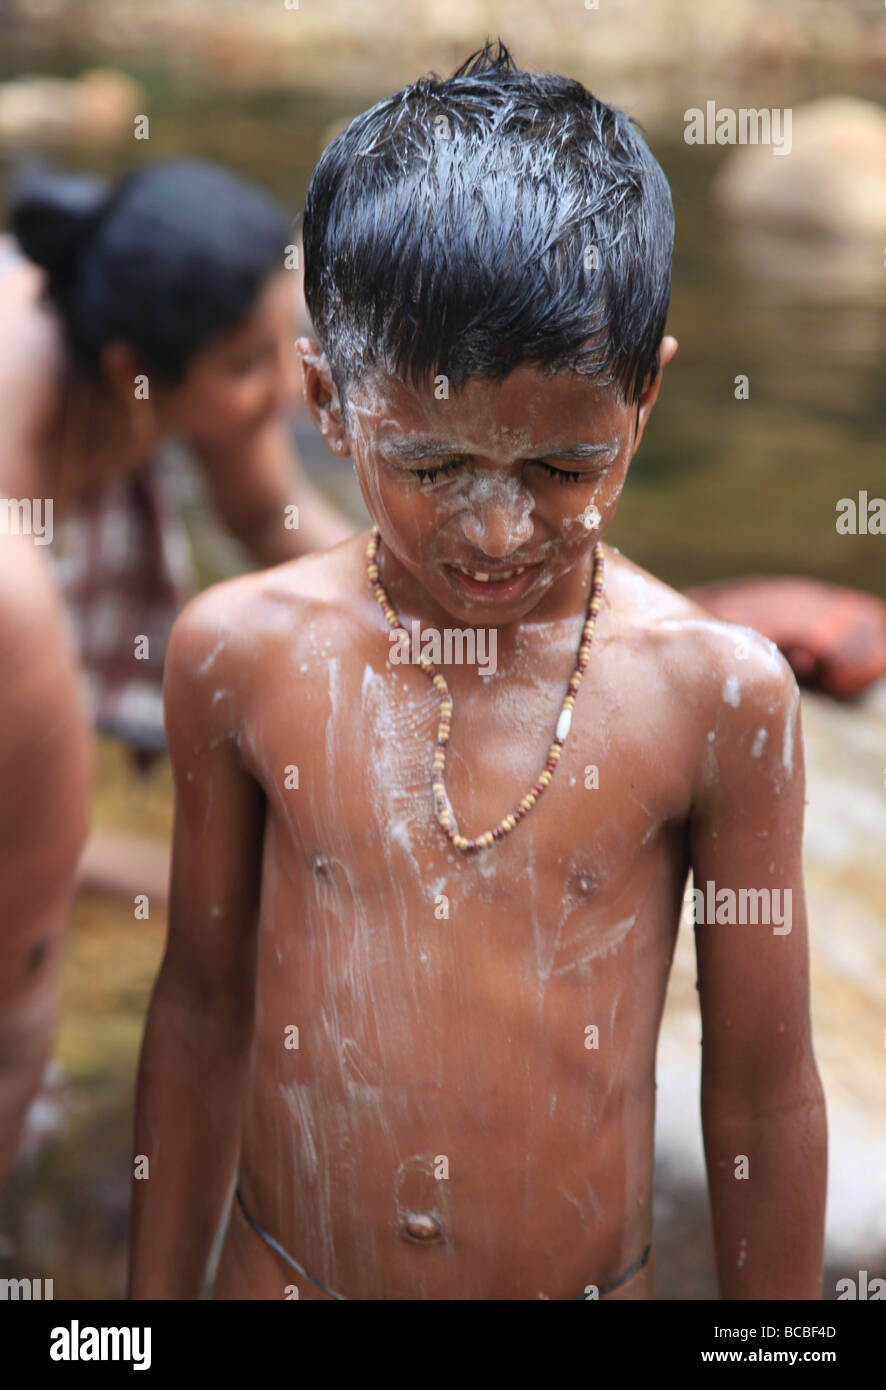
{"x": 832, "y": 183}
{"x": 99, "y": 106}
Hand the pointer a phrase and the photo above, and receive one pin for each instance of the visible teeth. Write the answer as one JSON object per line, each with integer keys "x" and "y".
{"x": 485, "y": 578}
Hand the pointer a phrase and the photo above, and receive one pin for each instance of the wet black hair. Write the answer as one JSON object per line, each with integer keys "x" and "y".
{"x": 168, "y": 258}
{"x": 453, "y": 229}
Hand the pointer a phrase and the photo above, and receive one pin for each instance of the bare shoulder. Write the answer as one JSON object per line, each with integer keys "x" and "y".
{"x": 31, "y": 354}
{"x": 718, "y": 668}
{"x": 290, "y": 619}
{"x": 32, "y": 622}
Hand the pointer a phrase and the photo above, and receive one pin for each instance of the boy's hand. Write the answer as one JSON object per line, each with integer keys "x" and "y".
{"x": 762, "y": 1103}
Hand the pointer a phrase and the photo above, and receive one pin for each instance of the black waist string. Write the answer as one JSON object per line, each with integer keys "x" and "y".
{"x": 275, "y": 1245}
{"x": 283, "y": 1255}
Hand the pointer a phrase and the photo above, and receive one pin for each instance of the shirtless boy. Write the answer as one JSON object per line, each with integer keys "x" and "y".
{"x": 431, "y": 1065}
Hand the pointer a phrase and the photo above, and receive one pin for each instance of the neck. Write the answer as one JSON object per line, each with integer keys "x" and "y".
{"x": 565, "y": 601}
{"x": 88, "y": 439}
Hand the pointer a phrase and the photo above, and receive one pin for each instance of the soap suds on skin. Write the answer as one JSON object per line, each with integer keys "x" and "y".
{"x": 589, "y": 518}
{"x": 468, "y": 496}
{"x": 787, "y": 748}
{"x": 404, "y": 712}
{"x": 732, "y": 691}
{"x": 209, "y": 661}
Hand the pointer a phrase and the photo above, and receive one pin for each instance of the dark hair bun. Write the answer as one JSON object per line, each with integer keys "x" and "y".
{"x": 52, "y": 213}
{"x": 170, "y": 256}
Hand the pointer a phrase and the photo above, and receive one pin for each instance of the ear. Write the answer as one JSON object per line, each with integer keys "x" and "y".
{"x": 322, "y": 397}
{"x": 667, "y": 348}
{"x": 119, "y": 367}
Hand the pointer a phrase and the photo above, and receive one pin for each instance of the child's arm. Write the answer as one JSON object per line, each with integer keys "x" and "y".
{"x": 253, "y": 481}
{"x": 762, "y": 1103}
{"x": 195, "y": 1053}
{"x": 45, "y": 777}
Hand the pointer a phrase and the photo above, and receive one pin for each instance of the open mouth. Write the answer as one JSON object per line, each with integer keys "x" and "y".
{"x": 492, "y": 584}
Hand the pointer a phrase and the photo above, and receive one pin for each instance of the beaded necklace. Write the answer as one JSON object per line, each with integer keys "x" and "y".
{"x": 442, "y": 805}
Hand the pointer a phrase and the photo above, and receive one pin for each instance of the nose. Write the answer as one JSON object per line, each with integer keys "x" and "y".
{"x": 498, "y": 519}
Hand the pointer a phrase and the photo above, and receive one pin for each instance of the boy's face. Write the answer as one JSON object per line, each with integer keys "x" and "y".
{"x": 522, "y": 475}
{"x": 234, "y": 385}
{"x": 240, "y": 381}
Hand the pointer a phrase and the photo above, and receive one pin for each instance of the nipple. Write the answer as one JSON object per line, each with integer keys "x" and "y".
{"x": 422, "y": 1226}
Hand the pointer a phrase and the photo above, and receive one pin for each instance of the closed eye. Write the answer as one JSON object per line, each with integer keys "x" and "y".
{"x": 563, "y": 475}
{"x": 429, "y": 475}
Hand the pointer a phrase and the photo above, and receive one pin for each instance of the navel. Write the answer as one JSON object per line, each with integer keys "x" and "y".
{"x": 422, "y": 1227}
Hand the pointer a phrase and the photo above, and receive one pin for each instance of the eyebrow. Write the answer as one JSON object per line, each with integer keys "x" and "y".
{"x": 413, "y": 450}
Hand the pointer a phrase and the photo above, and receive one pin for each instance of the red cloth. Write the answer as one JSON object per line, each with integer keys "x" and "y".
{"x": 834, "y": 638}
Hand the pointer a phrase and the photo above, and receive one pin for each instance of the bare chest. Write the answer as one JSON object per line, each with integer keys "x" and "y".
{"x": 366, "y": 904}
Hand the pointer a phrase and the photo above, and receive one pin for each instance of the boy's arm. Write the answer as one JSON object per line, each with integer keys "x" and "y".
{"x": 252, "y": 485}
{"x": 45, "y": 774}
{"x": 195, "y": 1052}
{"x": 762, "y": 1103}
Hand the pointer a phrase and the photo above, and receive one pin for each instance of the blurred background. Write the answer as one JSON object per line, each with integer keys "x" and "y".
{"x": 778, "y": 275}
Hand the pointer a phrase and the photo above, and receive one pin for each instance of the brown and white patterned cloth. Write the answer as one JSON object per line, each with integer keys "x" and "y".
{"x": 123, "y": 562}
